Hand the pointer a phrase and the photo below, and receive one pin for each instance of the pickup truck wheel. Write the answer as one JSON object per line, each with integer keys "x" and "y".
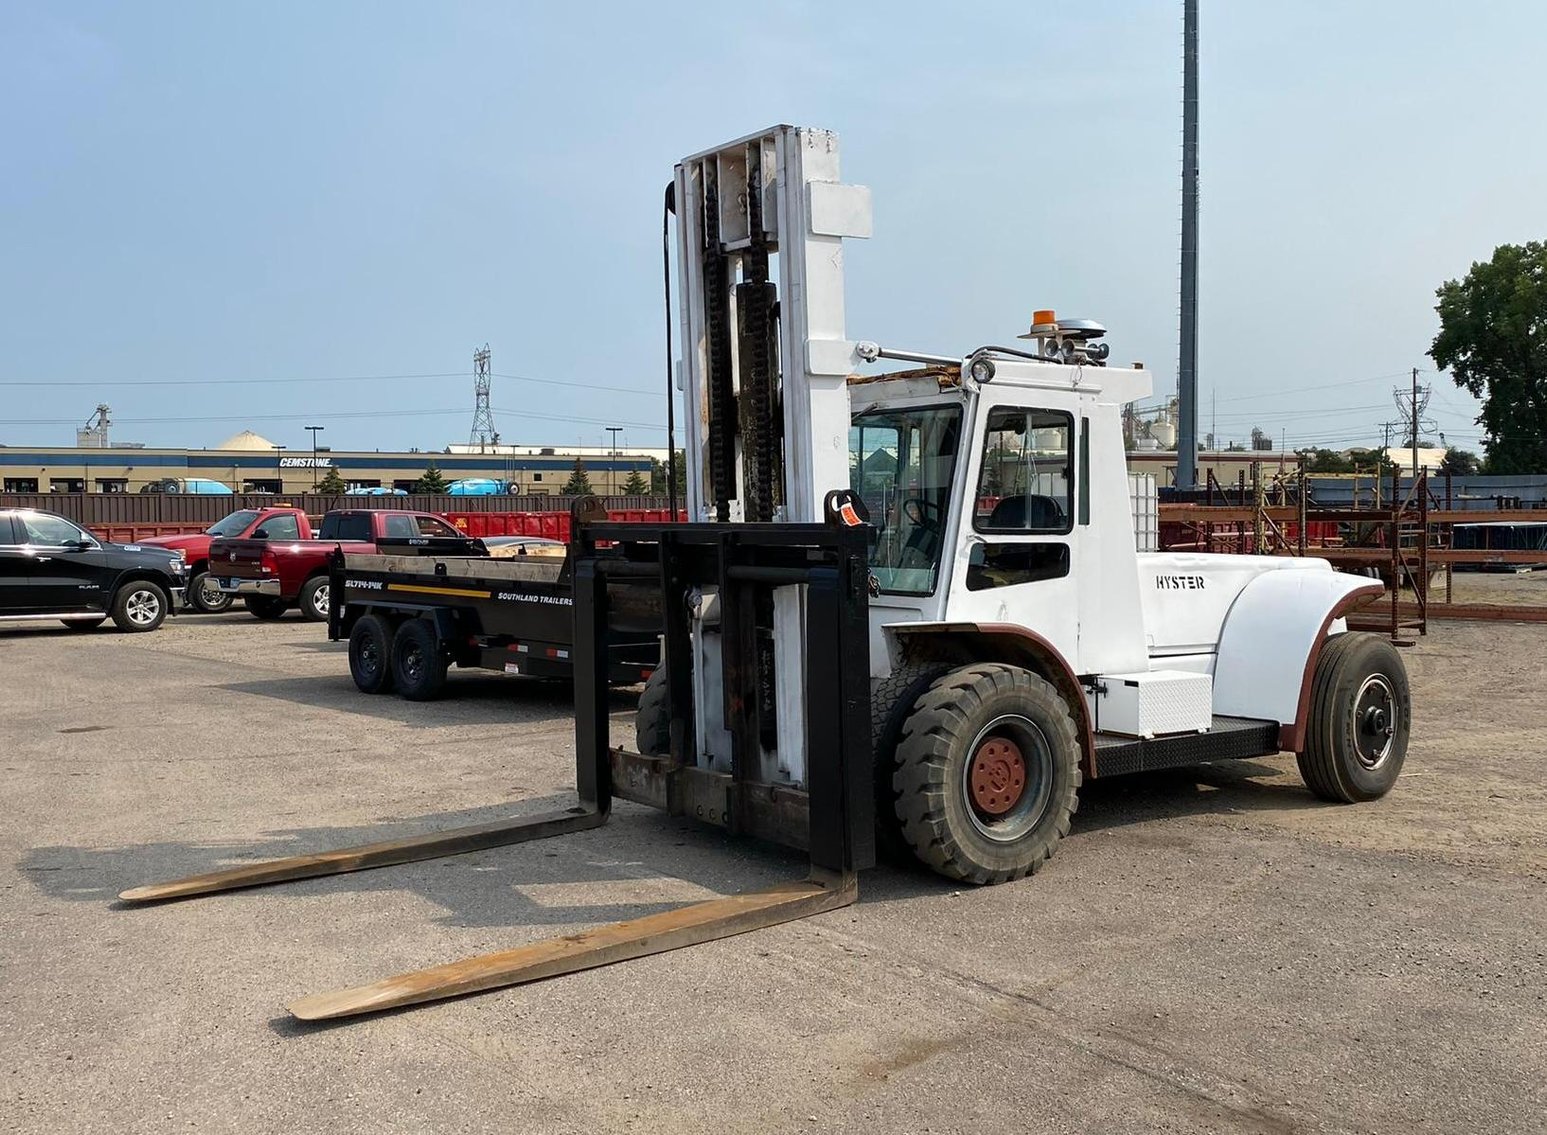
{"x": 988, "y": 766}
{"x": 139, "y": 606}
{"x": 370, "y": 655}
{"x": 418, "y": 666}
{"x": 204, "y": 595}
{"x": 314, "y": 599}
{"x": 265, "y": 607}
{"x": 1360, "y": 714}
{"x": 83, "y": 624}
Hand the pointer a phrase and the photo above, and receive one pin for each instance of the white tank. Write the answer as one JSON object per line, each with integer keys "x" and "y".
{"x": 1164, "y": 433}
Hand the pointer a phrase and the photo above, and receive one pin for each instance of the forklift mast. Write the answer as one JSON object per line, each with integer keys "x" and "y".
{"x": 761, "y": 225}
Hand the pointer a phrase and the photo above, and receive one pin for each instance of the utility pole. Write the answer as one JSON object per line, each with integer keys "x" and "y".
{"x": 1187, "y": 369}
{"x": 315, "y": 430}
{"x": 613, "y": 471}
{"x": 1415, "y": 423}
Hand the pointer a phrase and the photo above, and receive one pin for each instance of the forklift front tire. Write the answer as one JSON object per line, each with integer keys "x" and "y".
{"x": 652, "y": 720}
{"x": 418, "y": 664}
{"x": 988, "y": 770}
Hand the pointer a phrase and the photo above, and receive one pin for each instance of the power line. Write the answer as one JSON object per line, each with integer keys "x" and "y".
{"x": 207, "y": 382}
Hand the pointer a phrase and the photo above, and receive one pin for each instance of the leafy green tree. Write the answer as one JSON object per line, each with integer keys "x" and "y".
{"x": 1324, "y": 461}
{"x": 1460, "y": 463}
{"x": 636, "y": 485}
{"x": 578, "y": 485}
{"x": 658, "y": 474}
{"x": 432, "y": 482}
{"x": 1493, "y": 340}
{"x": 332, "y": 483}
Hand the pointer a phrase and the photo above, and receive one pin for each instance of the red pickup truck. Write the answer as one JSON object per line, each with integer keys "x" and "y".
{"x": 271, "y": 574}
{"x": 203, "y": 594}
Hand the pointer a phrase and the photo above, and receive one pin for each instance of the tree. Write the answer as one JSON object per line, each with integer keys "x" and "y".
{"x": 432, "y": 482}
{"x": 1459, "y": 463}
{"x": 1324, "y": 461}
{"x": 578, "y": 485}
{"x": 636, "y": 485}
{"x": 658, "y": 474}
{"x": 1493, "y": 340}
{"x": 332, "y": 483}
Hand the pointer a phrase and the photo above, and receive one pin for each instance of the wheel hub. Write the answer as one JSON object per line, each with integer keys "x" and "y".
{"x": 997, "y": 776}
{"x": 1375, "y": 721}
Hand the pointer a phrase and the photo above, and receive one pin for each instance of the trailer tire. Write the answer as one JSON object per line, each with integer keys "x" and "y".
{"x": 314, "y": 599}
{"x": 370, "y": 655}
{"x": 265, "y": 607}
{"x": 1361, "y": 714}
{"x": 891, "y": 701}
{"x": 418, "y": 663}
{"x": 988, "y": 771}
{"x": 652, "y": 720}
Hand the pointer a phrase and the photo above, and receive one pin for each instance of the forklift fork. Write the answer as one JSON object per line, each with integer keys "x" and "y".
{"x": 836, "y": 827}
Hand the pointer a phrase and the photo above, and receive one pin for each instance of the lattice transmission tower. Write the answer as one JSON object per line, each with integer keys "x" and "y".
{"x": 484, "y": 434}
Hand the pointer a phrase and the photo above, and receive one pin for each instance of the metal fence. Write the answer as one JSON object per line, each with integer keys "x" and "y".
{"x": 173, "y": 510}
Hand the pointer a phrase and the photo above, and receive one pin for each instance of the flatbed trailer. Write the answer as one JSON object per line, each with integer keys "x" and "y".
{"x": 409, "y": 618}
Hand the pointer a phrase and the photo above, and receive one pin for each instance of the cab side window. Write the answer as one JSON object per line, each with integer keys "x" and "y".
{"x": 429, "y": 526}
{"x": 8, "y": 535}
{"x": 346, "y": 526}
{"x": 399, "y": 527}
{"x": 48, "y": 531}
{"x": 282, "y": 527}
{"x": 1026, "y": 481}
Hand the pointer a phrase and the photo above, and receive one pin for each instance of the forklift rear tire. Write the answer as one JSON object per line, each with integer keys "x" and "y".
{"x": 370, "y": 655}
{"x": 652, "y": 720}
{"x": 266, "y": 607}
{"x": 418, "y": 664}
{"x": 1360, "y": 714}
{"x": 988, "y": 770}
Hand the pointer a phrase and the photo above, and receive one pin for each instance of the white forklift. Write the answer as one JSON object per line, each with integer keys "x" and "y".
{"x": 1017, "y": 640}
{"x": 906, "y": 603}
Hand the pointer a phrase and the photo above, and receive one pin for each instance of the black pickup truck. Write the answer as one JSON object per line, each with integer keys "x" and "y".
{"x": 52, "y": 568}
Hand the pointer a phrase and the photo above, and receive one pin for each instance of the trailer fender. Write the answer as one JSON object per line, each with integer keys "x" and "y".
{"x": 1271, "y": 640}
{"x": 966, "y": 643}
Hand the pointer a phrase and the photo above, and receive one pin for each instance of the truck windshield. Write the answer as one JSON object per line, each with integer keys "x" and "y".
{"x": 232, "y": 525}
{"x": 901, "y": 463}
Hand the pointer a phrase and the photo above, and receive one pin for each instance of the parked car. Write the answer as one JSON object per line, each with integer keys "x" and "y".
{"x": 272, "y": 574}
{"x": 52, "y": 568}
{"x": 203, "y": 593}
{"x": 194, "y": 485}
{"x": 375, "y": 491}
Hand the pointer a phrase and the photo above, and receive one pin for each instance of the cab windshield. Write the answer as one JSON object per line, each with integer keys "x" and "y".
{"x": 901, "y": 463}
{"x": 232, "y": 525}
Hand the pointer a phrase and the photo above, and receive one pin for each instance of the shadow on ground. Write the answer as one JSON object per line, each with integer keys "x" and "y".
{"x": 477, "y": 698}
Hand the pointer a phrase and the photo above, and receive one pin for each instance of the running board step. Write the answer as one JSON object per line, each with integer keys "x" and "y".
{"x": 453, "y": 841}
{"x": 618, "y": 942}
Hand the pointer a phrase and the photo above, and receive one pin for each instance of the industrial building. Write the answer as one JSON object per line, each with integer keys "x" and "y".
{"x": 249, "y": 462}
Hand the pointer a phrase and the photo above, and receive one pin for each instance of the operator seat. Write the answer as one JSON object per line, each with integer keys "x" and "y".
{"x": 1027, "y": 512}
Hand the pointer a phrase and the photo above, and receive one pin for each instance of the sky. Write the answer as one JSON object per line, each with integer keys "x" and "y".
{"x": 218, "y": 216}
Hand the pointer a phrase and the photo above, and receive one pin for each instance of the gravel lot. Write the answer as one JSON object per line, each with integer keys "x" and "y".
{"x": 1211, "y": 949}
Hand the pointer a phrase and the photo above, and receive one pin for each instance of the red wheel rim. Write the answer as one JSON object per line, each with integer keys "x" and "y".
{"x": 997, "y": 776}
